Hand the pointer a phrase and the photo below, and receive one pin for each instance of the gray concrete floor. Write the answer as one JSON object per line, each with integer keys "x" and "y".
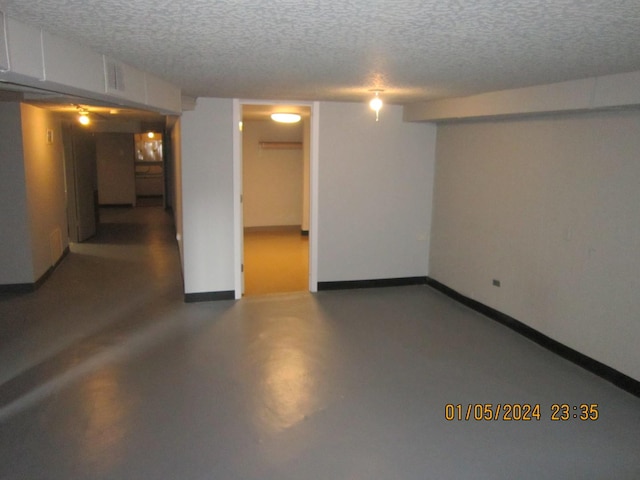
{"x": 106, "y": 374}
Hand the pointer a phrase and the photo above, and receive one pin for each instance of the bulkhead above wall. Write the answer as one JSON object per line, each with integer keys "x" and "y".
{"x": 34, "y": 58}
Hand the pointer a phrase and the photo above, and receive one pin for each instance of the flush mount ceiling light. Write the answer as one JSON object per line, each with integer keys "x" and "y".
{"x": 285, "y": 117}
{"x": 376, "y": 103}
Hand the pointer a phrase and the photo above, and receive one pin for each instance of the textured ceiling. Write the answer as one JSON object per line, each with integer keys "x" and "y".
{"x": 340, "y": 49}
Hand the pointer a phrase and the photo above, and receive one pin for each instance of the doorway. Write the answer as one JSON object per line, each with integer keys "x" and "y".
{"x": 81, "y": 182}
{"x": 274, "y": 166}
{"x": 149, "y": 168}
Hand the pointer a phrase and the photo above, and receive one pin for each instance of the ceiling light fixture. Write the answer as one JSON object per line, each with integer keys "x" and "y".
{"x": 285, "y": 117}
{"x": 376, "y": 103}
{"x": 83, "y": 116}
{"x": 151, "y": 134}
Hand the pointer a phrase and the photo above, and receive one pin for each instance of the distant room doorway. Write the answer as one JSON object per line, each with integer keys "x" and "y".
{"x": 275, "y": 205}
{"x": 149, "y": 168}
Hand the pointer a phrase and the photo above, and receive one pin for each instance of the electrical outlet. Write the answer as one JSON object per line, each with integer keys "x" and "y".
{"x": 496, "y": 283}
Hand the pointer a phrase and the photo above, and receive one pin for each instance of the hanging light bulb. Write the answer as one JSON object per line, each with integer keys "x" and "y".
{"x": 376, "y": 104}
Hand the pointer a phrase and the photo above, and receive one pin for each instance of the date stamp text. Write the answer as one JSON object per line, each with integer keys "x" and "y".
{"x": 520, "y": 412}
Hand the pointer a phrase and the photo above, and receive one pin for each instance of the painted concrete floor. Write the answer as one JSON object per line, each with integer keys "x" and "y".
{"x": 106, "y": 374}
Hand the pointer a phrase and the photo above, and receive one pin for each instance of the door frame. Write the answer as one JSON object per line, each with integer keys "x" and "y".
{"x": 237, "y": 189}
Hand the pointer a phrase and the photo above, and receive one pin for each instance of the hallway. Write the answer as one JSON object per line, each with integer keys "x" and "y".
{"x": 129, "y": 271}
{"x": 107, "y": 374}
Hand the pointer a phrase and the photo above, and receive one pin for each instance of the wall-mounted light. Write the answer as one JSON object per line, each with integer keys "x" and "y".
{"x": 285, "y": 117}
{"x": 376, "y": 103}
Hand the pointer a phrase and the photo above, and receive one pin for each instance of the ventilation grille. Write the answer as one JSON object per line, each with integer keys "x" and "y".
{"x": 115, "y": 76}
{"x": 4, "y": 55}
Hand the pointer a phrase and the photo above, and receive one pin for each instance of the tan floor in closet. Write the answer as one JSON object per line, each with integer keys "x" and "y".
{"x": 276, "y": 260}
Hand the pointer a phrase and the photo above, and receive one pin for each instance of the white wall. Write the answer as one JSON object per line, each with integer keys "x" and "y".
{"x": 33, "y": 205}
{"x": 549, "y": 206}
{"x": 115, "y": 154}
{"x": 207, "y": 196}
{"x": 375, "y": 191}
{"x": 272, "y": 178}
{"x": 44, "y": 172}
{"x": 15, "y": 243}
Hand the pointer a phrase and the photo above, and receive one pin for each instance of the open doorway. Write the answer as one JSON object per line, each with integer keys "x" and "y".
{"x": 276, "y": 198}
{"x": 107, "y": 168}
{"x": 149, "y": 168}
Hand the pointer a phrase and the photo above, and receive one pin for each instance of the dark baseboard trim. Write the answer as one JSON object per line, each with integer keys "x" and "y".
{"x": 272, "y": 228}
{"x": 32, "y": 287}
{"x": 209, "y": 296}
{"x": 48, "y": 273}
{"x": 304, "y": 233}
{"x": 376, "y": 283}
{"x": 612, "y": 375}
{"x": 19, "y": 288}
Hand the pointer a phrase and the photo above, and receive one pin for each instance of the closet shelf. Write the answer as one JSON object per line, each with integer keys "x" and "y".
{"x": 280, "y": 145}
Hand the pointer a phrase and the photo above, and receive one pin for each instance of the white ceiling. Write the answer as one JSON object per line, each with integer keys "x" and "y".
{"x": 340, "y": 49}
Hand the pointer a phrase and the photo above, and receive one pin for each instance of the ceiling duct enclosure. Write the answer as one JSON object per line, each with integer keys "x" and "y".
{"x": 4, "y": 54}
{"x": 32, "y": 57}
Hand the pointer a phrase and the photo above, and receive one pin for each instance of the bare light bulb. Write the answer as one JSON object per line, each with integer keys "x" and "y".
{"x": 376, "y": 105}
{"x": 83, "y": 118}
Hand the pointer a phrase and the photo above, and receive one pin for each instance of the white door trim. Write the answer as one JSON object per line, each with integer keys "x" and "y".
{"x": 237, "y": 190}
